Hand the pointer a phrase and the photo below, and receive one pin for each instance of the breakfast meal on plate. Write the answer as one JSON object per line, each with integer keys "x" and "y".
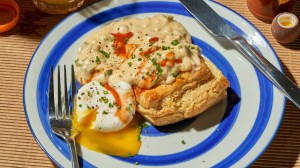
{"x": 140, "y": 67}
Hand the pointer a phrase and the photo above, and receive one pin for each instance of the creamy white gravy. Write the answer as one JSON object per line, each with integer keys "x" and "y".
{"x": 143, "y": 52}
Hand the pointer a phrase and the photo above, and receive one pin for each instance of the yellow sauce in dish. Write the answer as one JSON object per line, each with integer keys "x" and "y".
{"x": 286, "y": 24}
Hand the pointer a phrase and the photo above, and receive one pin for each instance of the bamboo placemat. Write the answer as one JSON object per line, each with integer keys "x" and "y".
{"x": 18, "y": 147}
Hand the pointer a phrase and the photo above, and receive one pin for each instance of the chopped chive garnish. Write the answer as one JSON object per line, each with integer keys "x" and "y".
{"x": 105, "y": 92}
{"x": 89, "y": 94}
{"x": 76, "y": 61}
{"x": 140, "y": 59}
{"x": 104, "y": 112}
{"x": 108, "y": 72}
{"x": 159, "y": 69}
{"x": 144, "y": 125}
{"x": 154, "y": 61}
{"x": 98, "y": 60}
{"x": 106, "y": 55}
{"x": 174, "y": 74}
{"x": 103, "y": 99}
{"x": 164, "y": 48}
{"x": 80, "y": 105}
{"x": 147, "y": 56}
{"x": 179, "y": 76}
{"x": 183, "y": 142}
{"x": 129, "y": 64}
{"x": 110, "y": 105}
{"x": 175, "y": 42}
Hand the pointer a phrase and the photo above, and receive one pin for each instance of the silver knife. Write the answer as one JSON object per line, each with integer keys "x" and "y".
{"x": 218, "y": 27}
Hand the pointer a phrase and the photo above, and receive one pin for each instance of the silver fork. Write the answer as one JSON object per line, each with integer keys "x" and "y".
{"x": 60, "y": 120}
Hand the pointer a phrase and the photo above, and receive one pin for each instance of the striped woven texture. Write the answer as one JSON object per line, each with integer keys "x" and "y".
{"x": 18, "y": 148}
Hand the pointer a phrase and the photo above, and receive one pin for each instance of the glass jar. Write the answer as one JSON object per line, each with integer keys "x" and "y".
{"x": 57, "y": 6}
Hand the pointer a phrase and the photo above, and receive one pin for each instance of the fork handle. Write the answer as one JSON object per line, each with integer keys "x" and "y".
{"x": 74, "y": 155}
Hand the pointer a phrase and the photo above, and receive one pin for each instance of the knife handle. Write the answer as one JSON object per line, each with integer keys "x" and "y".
{"x": 283, "y": 83}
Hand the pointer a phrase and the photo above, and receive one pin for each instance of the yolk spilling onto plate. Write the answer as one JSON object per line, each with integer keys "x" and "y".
{"x": 124, "y": 143}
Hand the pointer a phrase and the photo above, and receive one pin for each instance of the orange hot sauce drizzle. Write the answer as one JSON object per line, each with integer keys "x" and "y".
{"x": 120, "y": 113}
{"x": 170, "y": 59}
{"x": 149, "y": 51}
{"x": 164, "y": 62}
{"x": 114, "y": 93}
{"x": 93, "y": 73}
{"x": 177, "y": 61}
{"x": 120, "y": 41}
{"x": 152, "y": 49}
{"x": 153, "y": 39}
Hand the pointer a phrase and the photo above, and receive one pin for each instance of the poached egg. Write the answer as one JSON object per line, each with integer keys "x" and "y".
{"x": 104, "y": 118}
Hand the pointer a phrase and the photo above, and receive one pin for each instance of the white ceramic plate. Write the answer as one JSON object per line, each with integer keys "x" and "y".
{"x": 233, "y": 133}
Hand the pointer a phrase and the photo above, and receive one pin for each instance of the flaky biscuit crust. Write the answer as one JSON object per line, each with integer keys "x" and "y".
{"x": 190, "y": 95}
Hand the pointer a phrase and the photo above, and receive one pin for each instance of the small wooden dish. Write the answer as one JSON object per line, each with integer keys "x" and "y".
{"x": 285, "y": 27}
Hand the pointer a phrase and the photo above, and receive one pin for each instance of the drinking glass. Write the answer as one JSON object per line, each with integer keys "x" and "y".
{"x": 266, "y": 10}
{"x": 57, "y": 6}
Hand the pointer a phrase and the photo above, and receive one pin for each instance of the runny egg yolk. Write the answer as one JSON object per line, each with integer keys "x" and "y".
{"x": 124, "y": 143}
{"x": 105, "y": 118}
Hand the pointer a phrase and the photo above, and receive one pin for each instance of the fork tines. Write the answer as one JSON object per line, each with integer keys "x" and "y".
{"x": 67, "y": 97}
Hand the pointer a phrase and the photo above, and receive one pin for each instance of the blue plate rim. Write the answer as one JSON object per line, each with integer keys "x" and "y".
{"x": 24, "y": 101}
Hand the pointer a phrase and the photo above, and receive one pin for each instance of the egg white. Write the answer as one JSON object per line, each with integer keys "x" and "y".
{"x": 93, "y": 96}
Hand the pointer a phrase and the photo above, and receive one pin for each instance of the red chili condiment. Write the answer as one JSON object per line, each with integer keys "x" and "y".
{"x": 93, "y": 73}
{"x": 121, "y": 114}
{"x": 177, "y": 61}
{"x": 153, "y": 39}
{"x": 149, "y": 51}
{"x": 114, "y": 93}
{"x": 120, "y": 41}
{"x": 163, "y": 62}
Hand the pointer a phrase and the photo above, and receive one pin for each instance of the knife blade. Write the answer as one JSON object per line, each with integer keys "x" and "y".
{"x": 217, "y": 26}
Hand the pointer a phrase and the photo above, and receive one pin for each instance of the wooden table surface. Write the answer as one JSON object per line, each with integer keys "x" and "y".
{"x": 18, "y": 148}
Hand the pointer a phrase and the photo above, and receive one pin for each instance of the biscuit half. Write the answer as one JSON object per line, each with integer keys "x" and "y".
{"x": 190, "y": 95}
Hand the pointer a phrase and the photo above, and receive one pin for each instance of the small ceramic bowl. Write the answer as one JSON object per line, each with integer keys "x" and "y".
{"x": 285, "y": 27}
{"x": 9, "y": 11}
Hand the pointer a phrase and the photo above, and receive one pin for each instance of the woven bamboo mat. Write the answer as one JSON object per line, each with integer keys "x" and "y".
{"x": 18, "y": 147}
